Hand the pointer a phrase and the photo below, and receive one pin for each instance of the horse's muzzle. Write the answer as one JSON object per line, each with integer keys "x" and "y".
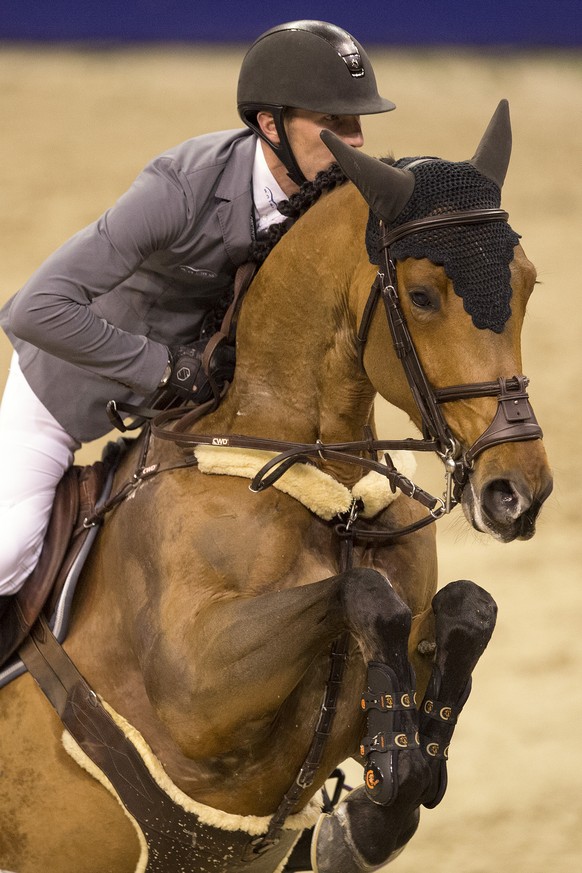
{"x": 507, "y": 506}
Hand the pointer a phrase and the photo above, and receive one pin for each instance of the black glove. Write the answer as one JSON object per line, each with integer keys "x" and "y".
{"x": 187, "y": 378}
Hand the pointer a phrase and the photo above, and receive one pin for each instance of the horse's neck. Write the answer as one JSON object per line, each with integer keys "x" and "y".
{"x": 297, "y": 374}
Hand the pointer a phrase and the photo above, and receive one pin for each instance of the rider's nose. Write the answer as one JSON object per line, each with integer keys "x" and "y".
{"x": 353, "y": 135}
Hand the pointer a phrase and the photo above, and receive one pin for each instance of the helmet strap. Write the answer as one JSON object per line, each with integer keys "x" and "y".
{"x": 283, "y": 148}
{"x": 284, "y": 151}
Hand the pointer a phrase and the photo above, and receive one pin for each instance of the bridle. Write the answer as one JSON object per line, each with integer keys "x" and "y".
{"x": 514, "y": 419}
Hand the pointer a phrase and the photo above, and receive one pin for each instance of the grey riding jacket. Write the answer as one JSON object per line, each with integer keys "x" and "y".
{"x": 93, "y": 323}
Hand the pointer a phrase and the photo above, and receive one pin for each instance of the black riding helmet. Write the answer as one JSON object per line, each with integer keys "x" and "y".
{"x": 309, "y": 65}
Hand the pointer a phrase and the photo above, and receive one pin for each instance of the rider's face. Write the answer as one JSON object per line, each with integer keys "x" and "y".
{"x": 303, "y": 130}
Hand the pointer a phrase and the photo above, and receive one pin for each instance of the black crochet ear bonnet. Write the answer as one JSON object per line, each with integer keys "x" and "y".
{"x": 475, "y": 257}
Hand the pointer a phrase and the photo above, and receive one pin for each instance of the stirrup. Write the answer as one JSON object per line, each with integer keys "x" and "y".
{"x": 385, "y": 704}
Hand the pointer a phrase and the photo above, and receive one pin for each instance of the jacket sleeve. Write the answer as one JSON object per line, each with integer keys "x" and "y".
{"x": 52, "y": 310}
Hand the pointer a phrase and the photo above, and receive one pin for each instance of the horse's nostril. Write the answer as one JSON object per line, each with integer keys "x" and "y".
{"x": 502, "y": 502}
{"x": 511, "y": 509}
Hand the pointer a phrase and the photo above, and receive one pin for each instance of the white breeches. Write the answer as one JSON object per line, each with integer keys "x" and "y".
{"x": 35, "y": 451}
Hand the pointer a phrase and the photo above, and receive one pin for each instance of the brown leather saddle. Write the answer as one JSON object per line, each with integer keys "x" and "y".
{"x": 75, "y": 500}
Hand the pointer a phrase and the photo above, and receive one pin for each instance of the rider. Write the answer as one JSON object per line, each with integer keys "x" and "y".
{"x": 117, "y": 310}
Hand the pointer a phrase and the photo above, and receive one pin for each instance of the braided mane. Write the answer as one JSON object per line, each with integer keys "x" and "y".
{"x": 294, "y": 208}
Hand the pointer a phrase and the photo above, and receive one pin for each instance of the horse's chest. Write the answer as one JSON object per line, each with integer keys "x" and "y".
{"x": 267, "y": 542}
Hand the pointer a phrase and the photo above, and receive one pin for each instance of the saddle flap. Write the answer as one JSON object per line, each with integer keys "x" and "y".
{"x": 33, "y": 595}
{"x": 76, "y": 493}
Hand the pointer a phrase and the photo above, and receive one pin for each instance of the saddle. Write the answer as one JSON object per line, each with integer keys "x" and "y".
{"x": 76, "y": 497}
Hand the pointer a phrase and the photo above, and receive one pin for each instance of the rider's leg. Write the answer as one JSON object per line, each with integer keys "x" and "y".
{"x": 35, "y": 451}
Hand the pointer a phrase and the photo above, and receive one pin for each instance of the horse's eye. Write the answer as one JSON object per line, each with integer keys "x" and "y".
{"x": 422, "y": 299}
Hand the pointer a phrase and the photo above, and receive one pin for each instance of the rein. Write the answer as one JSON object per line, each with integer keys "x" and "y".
{"x": 290, "y": 453}
{"x": 514, "y": 419}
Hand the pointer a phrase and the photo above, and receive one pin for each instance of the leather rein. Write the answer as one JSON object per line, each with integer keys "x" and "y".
{"x": 514, "y": 419}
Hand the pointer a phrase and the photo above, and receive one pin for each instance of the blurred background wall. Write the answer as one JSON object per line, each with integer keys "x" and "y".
{"x": 392, "y": 22}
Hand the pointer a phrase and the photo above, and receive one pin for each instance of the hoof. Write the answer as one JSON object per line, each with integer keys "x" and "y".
{"x": 337, "y": 847}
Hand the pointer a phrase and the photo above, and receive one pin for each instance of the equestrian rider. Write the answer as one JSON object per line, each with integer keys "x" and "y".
{"x": 115, "y": 312}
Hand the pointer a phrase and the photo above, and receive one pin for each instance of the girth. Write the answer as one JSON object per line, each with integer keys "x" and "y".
{"x": 177, "y": 839}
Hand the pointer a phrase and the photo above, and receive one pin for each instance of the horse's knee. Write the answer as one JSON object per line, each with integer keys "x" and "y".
{"x": 464, "y": 597}
{"x": 361, "y": 836}
{"x": 465, "y": 616}
{"x": 374, "y": 612}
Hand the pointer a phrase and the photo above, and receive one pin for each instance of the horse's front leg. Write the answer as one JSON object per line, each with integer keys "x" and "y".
{"x": 375, "y": 821}
{"x": 245, "y": 704}
{"x": 465, "y": 617}
{"x": 360, "y": 837}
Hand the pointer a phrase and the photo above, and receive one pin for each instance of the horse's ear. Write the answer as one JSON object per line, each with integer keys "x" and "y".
{"x": 494, "y": 151}
{"x": 386, "y": 189}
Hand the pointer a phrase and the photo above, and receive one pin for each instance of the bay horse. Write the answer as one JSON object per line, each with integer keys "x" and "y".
{"x": 206, "y": 614}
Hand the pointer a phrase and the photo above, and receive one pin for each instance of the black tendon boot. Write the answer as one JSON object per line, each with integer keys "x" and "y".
{"x": 390, "y": 729}
{"x": 464, "y": 620}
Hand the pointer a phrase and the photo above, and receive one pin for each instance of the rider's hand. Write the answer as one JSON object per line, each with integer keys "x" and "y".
{"x": 186, "y": 377}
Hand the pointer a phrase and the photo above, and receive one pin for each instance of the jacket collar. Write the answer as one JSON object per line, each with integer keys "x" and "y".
{"x": 235, "y": 180}
{"x": 235, "y": 212}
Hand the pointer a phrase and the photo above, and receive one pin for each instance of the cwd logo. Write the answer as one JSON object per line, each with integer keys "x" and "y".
{"x": 220, "y": 441}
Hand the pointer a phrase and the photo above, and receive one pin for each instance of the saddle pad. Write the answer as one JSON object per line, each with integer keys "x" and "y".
{"x": 25, "y": 607}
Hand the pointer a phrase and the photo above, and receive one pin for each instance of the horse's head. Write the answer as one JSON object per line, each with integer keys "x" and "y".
{"x": 455, "y": 283}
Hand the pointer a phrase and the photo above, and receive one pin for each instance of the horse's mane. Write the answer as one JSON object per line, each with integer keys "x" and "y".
{"x": 294, "y": 208}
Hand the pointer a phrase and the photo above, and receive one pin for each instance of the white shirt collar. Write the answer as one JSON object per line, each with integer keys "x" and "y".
{"x": 266, "y": 193}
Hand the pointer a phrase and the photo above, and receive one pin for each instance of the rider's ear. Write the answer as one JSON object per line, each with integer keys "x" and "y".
{"x": 266, "y": 122}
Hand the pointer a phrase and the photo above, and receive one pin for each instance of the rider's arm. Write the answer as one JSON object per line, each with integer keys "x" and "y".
{"x": 52, "y": 310}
